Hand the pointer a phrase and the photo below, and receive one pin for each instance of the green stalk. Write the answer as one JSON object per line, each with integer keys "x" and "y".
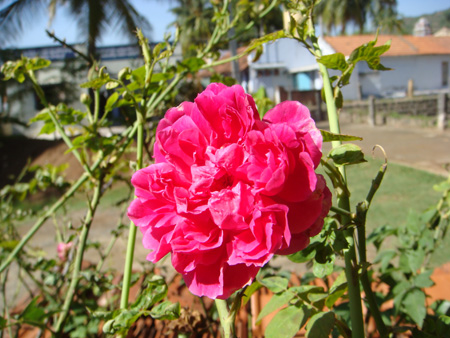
{"x": 79, "y": 258}
{"x": 343, "y": 201}
{"x": 129, "y": 133}
{"x": 132, "y": 230}
{"x": 365, "y": 281}
{"x": 55, "y": 121}
{"x": 226, "y": 320}
{"x": 41, "y": 221}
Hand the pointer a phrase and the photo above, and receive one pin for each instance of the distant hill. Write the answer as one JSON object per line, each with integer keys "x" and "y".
{"x": 437, "y": 21}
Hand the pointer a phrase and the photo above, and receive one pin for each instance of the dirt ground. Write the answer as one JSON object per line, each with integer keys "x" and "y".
{"x": 425, "y": 149}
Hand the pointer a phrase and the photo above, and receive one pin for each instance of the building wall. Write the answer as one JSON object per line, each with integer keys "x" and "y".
{"x": 424, "y": 70}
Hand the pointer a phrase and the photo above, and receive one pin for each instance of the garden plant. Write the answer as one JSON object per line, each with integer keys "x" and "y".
{"x": 222, "y": 184}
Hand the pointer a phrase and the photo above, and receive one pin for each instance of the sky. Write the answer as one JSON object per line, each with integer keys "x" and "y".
{"x": 159, "y": 15}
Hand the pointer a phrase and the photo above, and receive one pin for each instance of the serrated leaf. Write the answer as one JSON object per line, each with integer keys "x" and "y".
{"x": 411, "y": 260}
{"x": 275, "y": 283}
{"x": 329, "y": 136}
{"x": 303, "y": 256}
{"x": 277, "y": 301}
{"x": 155, "y": 291}
{"x": 423, "y": 280}
{"x": 320, "y": 325}
{"x": 193, "y": 64}
{"x": 287, "y": 322}
{"x": 346, "y": 154}
{"x": 322, "y": 270}
{"x": 385, "y": 257}
{"x": 371, "y": 54}
{"x": 334, "y": 61}
{"x": 413, "y": 304}
{"x": 264, "y": 39}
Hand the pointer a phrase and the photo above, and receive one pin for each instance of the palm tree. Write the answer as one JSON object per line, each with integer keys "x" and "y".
{"x": 194, "y": 17}
{"x": 339, "y": 13}
{"x": 93, "y": 16}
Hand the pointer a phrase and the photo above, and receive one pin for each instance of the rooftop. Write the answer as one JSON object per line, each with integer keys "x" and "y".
{"x": 401, "y": 44}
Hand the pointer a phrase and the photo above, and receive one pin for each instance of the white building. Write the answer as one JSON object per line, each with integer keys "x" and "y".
{"x": 424, "y": 60}
{"x": 21, "y": 103}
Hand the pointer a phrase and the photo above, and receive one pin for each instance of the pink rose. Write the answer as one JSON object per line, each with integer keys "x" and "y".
{"x": 63, "y": 250}
{"x": 228, "y": 191}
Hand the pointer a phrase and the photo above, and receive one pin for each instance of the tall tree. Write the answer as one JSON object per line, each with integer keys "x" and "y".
{"x": 194, "y": 17}
{"x": 93, "y": 17}
{"x": 337, "y": 14}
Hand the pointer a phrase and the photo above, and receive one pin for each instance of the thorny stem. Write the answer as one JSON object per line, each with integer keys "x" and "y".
{"x": 5, "y": 303}
{"x": 79, "y": 257}
{"x": 226, "y": 319}
{"x": 132, "y": 229}
{"x": 351, "y": 268}
{"x": 361, "y": 230}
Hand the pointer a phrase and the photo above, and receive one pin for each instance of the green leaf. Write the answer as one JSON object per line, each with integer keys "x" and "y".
{"x": 443, "y": 326}
{"x": 334, "y": 61}
{"x": 322, "y": 270}
{"x": 370, "y": 54}
{"x": 423, "y": 280}
{"x": 346, "y": 154}
{"x": 156, "y": 77}
{"x": 385, "y": 257}
{"x": 257, "y": 43}
{"x": 33, "y": 313}
{"x": 166, "y": 310}
{"x": 3, "y": 323}
{"x": 337, "y": 290}
{"x": 304, "y": 255}
{"x": 111, "y": 101}
{"x": 329, "y": 136}
{"x": 193, "y": 64}
{"x": 411, "y": 260}
{"x": 413, "y": 304}
{"x": 275, "y": 283}
{"x": 111, "y": 85}
{"x": 249, "y": 291}
{"x": 320, "y": 325}
{"x": 8, "y": 245}
{"x": 287, "y": 322}
{"x": 37, "y": 63}
{"x": 305, "y": 289}
{"x": 278, "y": 300}
{"x": 155, "y": 291}
{"x": 96, "y": 83}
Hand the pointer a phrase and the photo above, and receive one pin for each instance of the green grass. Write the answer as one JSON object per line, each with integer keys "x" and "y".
{"x": 403, "y": 189}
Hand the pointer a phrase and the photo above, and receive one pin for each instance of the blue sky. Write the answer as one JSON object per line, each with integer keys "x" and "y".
{"x": 157, "y": 12}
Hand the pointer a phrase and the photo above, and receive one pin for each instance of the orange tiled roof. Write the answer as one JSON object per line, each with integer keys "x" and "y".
{"x": 400, "y": 45}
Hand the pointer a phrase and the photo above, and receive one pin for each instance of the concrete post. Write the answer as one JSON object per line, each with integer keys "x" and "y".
{"x": 441, "y": 112}
{"x": 372, "y": 113}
